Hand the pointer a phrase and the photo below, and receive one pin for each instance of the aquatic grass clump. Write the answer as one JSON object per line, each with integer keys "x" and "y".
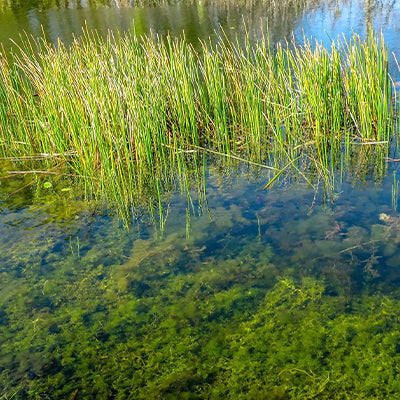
{"x": 123, "y": 111}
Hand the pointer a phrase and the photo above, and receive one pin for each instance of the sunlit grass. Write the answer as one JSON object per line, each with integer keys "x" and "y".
{"x": 126, "y": 112}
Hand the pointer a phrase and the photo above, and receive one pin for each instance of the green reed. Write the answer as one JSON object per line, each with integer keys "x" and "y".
{"x": 124, "y": 112}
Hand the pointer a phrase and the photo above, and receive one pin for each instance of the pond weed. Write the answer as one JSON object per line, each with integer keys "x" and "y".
{"x": 220, "y": 314}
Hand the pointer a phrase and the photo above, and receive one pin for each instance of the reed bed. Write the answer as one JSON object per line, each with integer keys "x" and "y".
{"x": 123, "y": 112}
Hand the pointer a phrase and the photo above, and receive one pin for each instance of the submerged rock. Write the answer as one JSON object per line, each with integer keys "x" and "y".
{"x": 392, "y": 227}
{"x": 386, "y": 218}
{"x": 393, "y": 222}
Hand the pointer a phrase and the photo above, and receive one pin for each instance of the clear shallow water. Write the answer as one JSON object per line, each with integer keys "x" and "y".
{"x": 275, "y": 294}
{"x": 281, "y": 293}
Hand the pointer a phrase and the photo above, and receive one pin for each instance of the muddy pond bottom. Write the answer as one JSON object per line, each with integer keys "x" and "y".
{"x": 264, "y": 295}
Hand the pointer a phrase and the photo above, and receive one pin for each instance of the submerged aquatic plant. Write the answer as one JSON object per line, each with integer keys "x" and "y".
{"x": 152, "y": 326}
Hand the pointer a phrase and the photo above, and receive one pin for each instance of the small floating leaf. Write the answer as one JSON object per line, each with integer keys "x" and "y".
{"x": 47, "y": 185}
{"x": 67, "y": 189}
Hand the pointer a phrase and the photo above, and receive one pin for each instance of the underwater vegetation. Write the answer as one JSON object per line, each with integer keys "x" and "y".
{"x": 121, "y": 113}
{"x": 267, "y": 308}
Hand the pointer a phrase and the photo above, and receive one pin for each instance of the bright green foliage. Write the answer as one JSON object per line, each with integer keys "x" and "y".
{"x": 121, "y": 111}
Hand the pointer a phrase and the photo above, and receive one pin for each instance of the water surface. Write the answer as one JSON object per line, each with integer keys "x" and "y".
{"x": 320, "y": 19}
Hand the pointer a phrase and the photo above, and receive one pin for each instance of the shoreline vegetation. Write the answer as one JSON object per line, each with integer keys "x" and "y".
{"x": 130, "y": 116}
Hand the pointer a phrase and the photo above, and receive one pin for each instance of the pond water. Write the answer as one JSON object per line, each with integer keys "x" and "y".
{"x": 285, "y": 293}
{"x": 201, "y": 19}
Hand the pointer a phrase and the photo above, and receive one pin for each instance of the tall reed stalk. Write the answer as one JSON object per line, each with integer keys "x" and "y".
{"x": 124, "y": 111}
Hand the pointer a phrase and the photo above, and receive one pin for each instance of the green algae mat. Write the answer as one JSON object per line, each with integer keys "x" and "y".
{"x": 278, "y": 294}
